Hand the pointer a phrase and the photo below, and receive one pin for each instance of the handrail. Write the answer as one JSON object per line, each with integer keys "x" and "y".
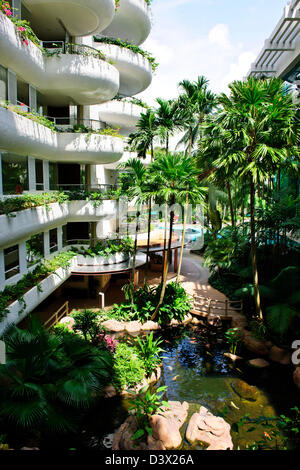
{"x": 62, "y": 47}
{"x": 63, "y": 311}
{"x": 215, "y": 304}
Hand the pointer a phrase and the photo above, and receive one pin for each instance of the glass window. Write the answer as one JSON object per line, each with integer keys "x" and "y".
{"x": 3, "y": 84}
{"x": 11, "y": 260}
{"x": 53, "y": 176}
{"x": 14, "y": 173}
{"x": 53, "y": 240}
{"x": 39, "y": 174}
{"x": 35, "y": 249}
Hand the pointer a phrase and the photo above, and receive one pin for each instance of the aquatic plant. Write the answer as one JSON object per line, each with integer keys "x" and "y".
{"x": 146, "y": 404}
{"x": 233, "y": 337}
{"x": 150, "y": 351}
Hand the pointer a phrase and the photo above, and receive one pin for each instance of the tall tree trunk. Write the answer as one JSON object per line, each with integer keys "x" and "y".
{"x": 134, "y": 256}
{"x": 183, "y": 237}
{"x": 165, "y": 246}
{"x": 166, "y": 270}
{"x": 148, "y": 240}
{"x": 253, "y": 251}
{"x": 230, "y": 203}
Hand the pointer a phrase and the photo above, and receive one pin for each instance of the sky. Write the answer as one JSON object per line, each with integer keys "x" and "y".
{"x": 219, "y": 39}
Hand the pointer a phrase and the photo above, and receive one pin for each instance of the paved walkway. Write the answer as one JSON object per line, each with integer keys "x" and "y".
{"x": 194, "y": 278}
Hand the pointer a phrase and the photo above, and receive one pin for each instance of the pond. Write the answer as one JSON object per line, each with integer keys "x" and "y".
{"x": 195, "y": 370}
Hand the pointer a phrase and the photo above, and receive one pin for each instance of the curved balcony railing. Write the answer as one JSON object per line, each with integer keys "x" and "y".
{"x": 132, "y": 22}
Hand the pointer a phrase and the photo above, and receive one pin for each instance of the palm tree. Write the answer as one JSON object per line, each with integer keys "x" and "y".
{"x": 196, "y": 102}
{"x": 143, "y": 139}
{"x": 135, "y": 192}
{"x": 170, "y": 173}
{"x": 169, "y": 119}
{"x": 48, "y": 378}
{"x": 260, "y": 115}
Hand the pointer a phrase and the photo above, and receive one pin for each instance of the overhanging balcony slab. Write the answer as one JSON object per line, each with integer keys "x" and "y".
{"x": 134, "y": 69}
{"x": 50, "y": 18}
{"x": 131, "y": 23}
{"x": 26, "y": 137}
{"x": 120, "y": 114}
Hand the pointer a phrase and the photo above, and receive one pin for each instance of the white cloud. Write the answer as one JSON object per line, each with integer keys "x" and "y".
{"x": 184, "y": 54}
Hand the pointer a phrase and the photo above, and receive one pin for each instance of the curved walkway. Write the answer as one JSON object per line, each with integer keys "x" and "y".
{"x": 194, "y": 278}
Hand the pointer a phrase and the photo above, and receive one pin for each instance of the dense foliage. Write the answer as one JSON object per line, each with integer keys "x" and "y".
{"x": 106, "y": 248}
{"x": 176, "y": 305}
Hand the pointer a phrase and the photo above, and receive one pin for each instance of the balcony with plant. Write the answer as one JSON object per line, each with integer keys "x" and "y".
{"x": 68, "y": 71}
{"x": 135, "y": 65}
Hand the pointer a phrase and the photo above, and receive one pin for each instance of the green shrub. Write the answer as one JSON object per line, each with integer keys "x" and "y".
{"x": 129, "y": 368}
{"x": 150, "y": 350}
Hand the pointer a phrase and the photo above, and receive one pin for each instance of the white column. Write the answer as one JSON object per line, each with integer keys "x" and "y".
{"x": 12, "y": 90}
{"x": 23, "y": 258}
{"x": 32, "y": 98}
{"x": 46, "y": 244}
{"x": 2, "y": 269}
{"x": 1, "y": 181}
{"x": 59, "y": 238}
{"x": 46, "y": 175}
{"x": 31, "y": 174}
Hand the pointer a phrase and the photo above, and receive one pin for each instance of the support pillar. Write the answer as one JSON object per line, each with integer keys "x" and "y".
{"x": 1, "y": 180}
{"x": 46, "y": 175}
{"x": 31, "y": 174}
{"x": 59, "y": 238}
{"x": 46, "y": 244}
{"x": 23, "y": 258}
{"x": 2, "y": 269}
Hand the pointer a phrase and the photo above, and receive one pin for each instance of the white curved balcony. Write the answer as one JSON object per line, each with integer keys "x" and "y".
{"x": 25, "y": 137}
{"x": 39, "y": 219}
{"x": 63, "y": 80}
{"x": 79, "y": 17}
{"x": 120, "y": 114}
{"x": 134, "y": 69}
{"x": 132, "y": 22}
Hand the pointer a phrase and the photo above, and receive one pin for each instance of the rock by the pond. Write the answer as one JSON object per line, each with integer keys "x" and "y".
{"x": 114, "y": 325}
{"x": 133, "y": 327}
{"x": 282, "y": 356}
{"x": 255, "y": 345}
{"x": 165, "y": 430}
{"x": 239, "y": 321}
{"x": 150, "y": 325}
{"x": 210, "y": 429}
{"x": 68, "y": 322}
{"x": 244, "y": 390}
{"x": 258, "y": 363}
{"x": 233, "y": 357}
{"x": 296, "y": 377}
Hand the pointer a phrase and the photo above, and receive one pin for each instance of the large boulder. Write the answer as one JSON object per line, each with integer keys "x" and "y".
{"x": 244, "y": 390}
{"x": 133, "y": 327}
{"x": 282, "y": 356}
{"x": 150, "y": 326}
{"x": 256, "y": 346}
{"x": 114, "y": 325}
{"x": 165, "y": 430}
{"x": 212, "y": 430}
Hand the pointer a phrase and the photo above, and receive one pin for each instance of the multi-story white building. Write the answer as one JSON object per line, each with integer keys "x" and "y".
{"x": 280, "y": 55}
{"x": 72, "y": 80}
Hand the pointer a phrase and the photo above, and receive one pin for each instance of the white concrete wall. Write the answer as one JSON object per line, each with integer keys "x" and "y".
{"x": 134, "y": 69}
{"x": 132, "y": 22}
